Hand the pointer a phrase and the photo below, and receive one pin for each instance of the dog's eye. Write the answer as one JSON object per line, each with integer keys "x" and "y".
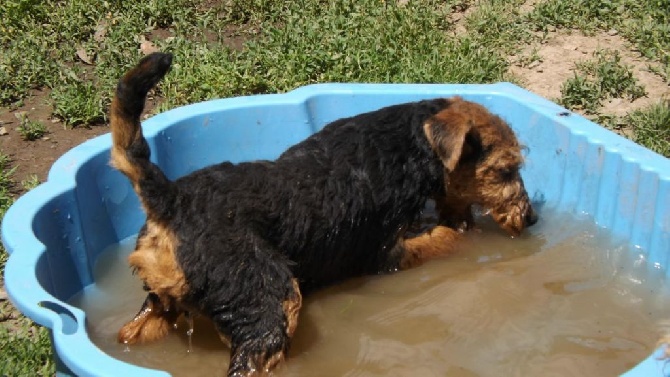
{"x": 507, "y": 174}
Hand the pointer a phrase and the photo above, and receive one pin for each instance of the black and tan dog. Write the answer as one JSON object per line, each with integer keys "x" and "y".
{"x": 238, "y": 243}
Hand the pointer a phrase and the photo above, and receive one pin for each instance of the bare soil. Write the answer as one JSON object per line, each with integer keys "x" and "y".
{"x": 36, "y": 157}
{"x": 561, "y": 50}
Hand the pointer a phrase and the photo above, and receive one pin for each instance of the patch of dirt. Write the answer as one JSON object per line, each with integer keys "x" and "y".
{"x": 528, "y": 6}
{"x": 36, "y": 157}
{"x": 459, "y": 16}
{"x": 558, "y": 54}
{"x": 234, "y": 37}
{"x": 10, "y": 317}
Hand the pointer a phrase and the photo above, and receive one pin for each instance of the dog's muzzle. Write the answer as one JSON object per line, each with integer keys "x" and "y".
{"x": 514, "y": 219}
{"x": 531, "y": 216}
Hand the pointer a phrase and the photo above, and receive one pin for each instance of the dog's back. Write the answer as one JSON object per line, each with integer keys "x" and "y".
{"x": 354, "y": 185}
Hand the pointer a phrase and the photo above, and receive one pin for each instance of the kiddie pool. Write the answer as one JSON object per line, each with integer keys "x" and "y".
{"x": 55, "y": 232}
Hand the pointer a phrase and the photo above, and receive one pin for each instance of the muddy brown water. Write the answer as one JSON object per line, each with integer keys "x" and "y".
{"x": 562, "y": 300}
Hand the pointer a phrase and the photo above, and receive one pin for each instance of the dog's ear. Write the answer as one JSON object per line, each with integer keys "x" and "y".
{"x": 446, "y": 132}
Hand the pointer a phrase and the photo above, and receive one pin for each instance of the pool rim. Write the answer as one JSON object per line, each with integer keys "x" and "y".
{"x": 24, "y": 249}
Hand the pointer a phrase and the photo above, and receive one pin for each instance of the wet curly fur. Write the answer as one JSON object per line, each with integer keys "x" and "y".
{"x": 239, "y": 242}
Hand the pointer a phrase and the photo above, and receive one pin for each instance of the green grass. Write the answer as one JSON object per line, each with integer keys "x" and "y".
{"x": 26, "y": 350}
{"x": 651, "y": 127}
{"x": 31, "y": 182}
{"x": 5, "y": 183}
{"x": 30, "y": 129}
{"x": 499, "y": 24}
{"x": 581, "y": 93}
{"x": 39, "y": 41}
{"x": 365, "y": 42}
{"x": 81, "y": 102}
{"x": 6, "y": 200}
{"x": 598, "y": 79}
{"x": 613, "y": 78}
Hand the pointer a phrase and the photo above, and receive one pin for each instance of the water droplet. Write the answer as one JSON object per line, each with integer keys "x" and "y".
{"x": 462, "y": 227}
{"x": 189, "y": 332}
{"x": 641, "y": 259}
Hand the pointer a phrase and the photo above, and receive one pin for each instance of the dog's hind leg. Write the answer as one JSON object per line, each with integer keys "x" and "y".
{"x": 256, "y": 310}
{"x": 152, "y": 322}
{"x": 260, "y": 341}
{"x": 438, "y": 241}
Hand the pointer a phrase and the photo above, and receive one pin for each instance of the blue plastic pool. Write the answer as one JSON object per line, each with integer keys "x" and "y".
{"x": 55, "y": 232}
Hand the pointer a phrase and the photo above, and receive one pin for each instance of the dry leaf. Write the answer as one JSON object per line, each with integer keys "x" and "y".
{"x": 3, "y": 131}
{"x": 100, "y": 31}
{"x": 83, "y": 55}
{"x": 147, "y": 47}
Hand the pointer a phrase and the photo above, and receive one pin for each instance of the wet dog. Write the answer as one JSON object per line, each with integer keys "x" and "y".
{"x": 238, "y": 243}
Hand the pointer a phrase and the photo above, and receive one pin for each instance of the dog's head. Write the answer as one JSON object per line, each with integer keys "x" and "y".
{"x": 481, "y": 158}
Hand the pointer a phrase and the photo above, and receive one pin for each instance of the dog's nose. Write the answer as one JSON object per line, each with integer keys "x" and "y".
{"x": 531, "y": 217}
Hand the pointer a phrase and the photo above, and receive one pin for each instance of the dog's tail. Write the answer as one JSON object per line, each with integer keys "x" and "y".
{"x": 130, "y": 151}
